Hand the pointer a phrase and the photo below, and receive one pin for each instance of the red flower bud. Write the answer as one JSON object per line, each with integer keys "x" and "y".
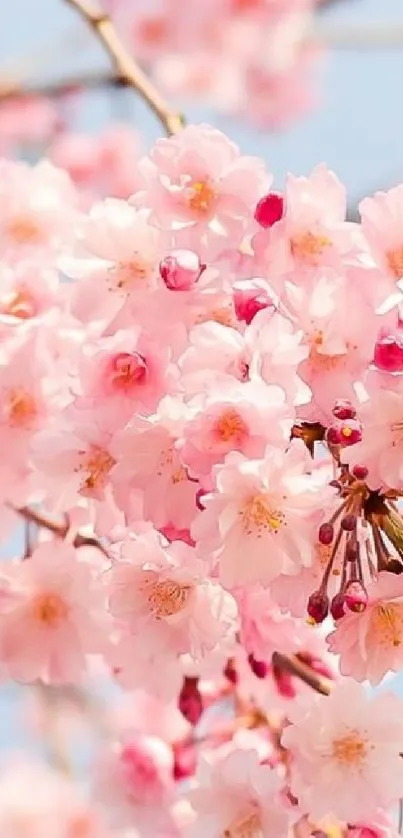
{"x": 190, "y": 702}
{"x": 269, "y": 209}
{"x": 250, "y": 297}
{"x": 318, "y": 606}
{"x": 181, "y": 270}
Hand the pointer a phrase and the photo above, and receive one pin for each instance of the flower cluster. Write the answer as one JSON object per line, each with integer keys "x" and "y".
{"x": 253, "y": 58}
{"x": 201, "y": 422}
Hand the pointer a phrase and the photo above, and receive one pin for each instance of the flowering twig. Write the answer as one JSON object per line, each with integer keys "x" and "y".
{"x": 301, "y": 670}
{"x": 125, "y": 66}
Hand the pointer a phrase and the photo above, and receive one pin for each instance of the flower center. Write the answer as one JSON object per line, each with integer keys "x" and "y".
{"x": 96, "y": 463}
{"x": 20, "y": 407}
{"x": 321, "y": 361}
{"x": 50, "y": 609}
{"x": 19, "y": 304}
{"x": 258, "y": 517}
{"x": 247, "y": 825}
{"x": 394, "y": 259}
{"x": 230, "y": 427}
{"x": 350, "y": 749}
{"x": 309, "y": 247}
{"x": 202, "y": 196}
{"x": 165, "y": 597}
{"x": 179, "y": 475}
{"x": 126, "y": 274}
{"x": 128, "y": 370}
{"x": 24, "y": 230}
{"x": 387, "y": 624}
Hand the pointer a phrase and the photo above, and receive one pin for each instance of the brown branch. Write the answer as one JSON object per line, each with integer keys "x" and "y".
{"x": 60, "y": 530}
{"x": 293, "y": 666}
{"x": 125, "y": 66}
{"x": 62, "y": 87}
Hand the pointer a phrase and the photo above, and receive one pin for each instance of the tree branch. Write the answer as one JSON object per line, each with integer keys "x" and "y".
{"x": 300, "y": 670}
{"x": 60, "y": 530}
{"x": 62, "y": 87}
{"x": 126, "y": 68}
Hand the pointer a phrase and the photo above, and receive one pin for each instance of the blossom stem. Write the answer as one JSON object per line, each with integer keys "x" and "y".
{"x": 305, "y": 673}
{"x": 126, "y": 68}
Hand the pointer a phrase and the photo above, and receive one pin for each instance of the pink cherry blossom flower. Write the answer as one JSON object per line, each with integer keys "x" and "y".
{"x": 103, "y": 165}
{"x": 370, "y": 643}
{"x": 214, "y": 351}
{"x": 72, "y": 459}
{"x": 28, "y": 290}
{"x": 124, "y": 373}
{"x": 345, "y": 752}
{"x": 148, "y": 460}
{"x": 162, "y": 592}
{"x": 38, "y": 208}
{"x": 381, "y": 224}
{"x": 380, "y": 450}
{"x": 117, "y": 257}
{"x": 134, "y": 783}
{"x": 259, "y": 521}
{"x": 238, "y": 796}
{"x": 200, "y": 181}
{"x": 242, "y": 417}
{"x": 55, "y": 618}
{"x": 313, "y": 233}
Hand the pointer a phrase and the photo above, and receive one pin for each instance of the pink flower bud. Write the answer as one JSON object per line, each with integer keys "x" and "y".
{"x": 190, "y": 702}
{"x": 185, "y": 760}
{"x": 360, "y": 472}
{"x": 343, "y": 409}
{"x": 249, "y": 298}
{"x": 318, "y": 606}
{"x": 326, "y": 533}
{"x": 333, "y": 436}
{"x": 284, "y": 683}
{"x": 259, "y": 668}
{"x": 181, "y": 270}
{"x": 230, "y": 673}
{"x": 269, "y": 209}
{"x": 338, "y": 606}
{"x": 388, "y": 353}
{"x": 355, "y": 596}
{"x": 349, "y": 522}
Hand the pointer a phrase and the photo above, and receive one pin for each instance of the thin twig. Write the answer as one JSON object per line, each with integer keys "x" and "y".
{"x": 62, "y": 87}
{"x": 302, "y": 671}
{"x": 125, "y": 66}
{"x": 60, "y": 530}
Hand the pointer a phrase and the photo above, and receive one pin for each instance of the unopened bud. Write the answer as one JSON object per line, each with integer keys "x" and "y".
{"x": 250, "y": 296}
{"x": 190, "y": 702}
{"x": 355, "y": 596}
{"x": 343, "y": 410}
{"x": 326, "y": 533}
{"x": 360, "y": 472}
{"x": 318, "y": 606}
{"x": 333, "y": 436}
{"x": 349, "y": 522}
{"x": 388, "y": 353}
{"x": 185, "y": 760}
{"x": 181, "y": 270}
{"x": 338, "y": 606}
{"x": 269, "y": 209}
{"x": 259, "y": 668}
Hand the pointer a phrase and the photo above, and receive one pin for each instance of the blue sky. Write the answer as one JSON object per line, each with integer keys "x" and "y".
{"x": 357, "y": 130}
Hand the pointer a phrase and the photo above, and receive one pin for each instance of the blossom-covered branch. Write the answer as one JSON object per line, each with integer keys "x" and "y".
{"x": 126, "y": 68}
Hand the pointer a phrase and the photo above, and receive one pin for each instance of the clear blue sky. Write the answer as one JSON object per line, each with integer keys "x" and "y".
{"x": 357, "y": 130}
